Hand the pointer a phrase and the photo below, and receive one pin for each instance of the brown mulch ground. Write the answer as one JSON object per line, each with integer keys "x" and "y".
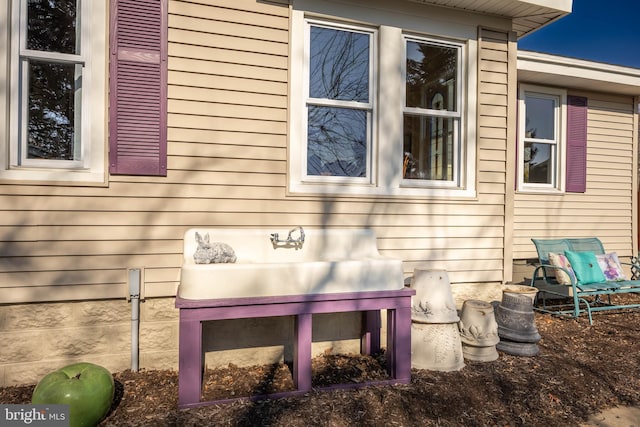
{"x": 580, "y": 370}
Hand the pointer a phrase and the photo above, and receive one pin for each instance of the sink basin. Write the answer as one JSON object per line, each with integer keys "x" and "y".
{"x": 329, "y": 261}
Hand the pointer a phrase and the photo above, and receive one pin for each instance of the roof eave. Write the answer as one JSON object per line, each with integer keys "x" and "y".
{"x": 561, "y": 71}
{"x": 526, "y": 16}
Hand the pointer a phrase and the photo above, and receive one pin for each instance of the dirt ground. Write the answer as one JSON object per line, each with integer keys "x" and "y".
{"x": 581, "y": 371}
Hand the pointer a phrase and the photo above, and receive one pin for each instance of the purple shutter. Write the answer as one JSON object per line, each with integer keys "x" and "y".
{"x": 576, "y": 144}
{"x": 138, "y": 87}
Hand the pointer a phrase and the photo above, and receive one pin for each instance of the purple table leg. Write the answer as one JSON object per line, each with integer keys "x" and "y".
{"x": 190, "y": 362}
{"x": 399, "y": 344}
{"x": 302, "y": 352}
{"x": 370, "y": 341}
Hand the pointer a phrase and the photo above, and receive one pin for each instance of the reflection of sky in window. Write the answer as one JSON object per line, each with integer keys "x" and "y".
{"x": 539, "y": 153}
{"x": 339, "y": 65}
{"x": 540, "y": 118}
{"x": 413, "y": 52}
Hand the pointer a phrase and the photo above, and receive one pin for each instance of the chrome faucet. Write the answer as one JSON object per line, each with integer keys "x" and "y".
{"x": 290, "y": 241}
{"x": 300, "y": 239}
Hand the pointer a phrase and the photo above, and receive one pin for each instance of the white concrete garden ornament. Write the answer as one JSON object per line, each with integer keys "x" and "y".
{"x": 212, "y": 253}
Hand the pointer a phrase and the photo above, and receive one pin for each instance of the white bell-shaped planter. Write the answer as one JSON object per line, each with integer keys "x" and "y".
{"x": 433, "y": 301}
{"x": 436, "y": 346}
{"x": 480, "y": 354}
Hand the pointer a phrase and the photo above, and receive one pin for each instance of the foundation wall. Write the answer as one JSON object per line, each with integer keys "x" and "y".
{"x": 41, "y": 337}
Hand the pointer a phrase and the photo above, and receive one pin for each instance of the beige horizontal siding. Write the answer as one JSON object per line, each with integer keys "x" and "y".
{"x": 495, "y": 77}
{"x": 246, "y": 138}
{"x": 227, "y": 167}
{"x": 178, "y": 204}
{"x": 605, "y": 210}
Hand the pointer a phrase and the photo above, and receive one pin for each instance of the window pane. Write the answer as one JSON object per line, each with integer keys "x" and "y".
{"x": 337, "y": 142}
{"x": 339, "y": 65}
{"x": 51, "y": 26}
{"x": 53, "y": 104}
{"x": 431, "y": 76}
{"x": 540, "y": 118}
{"x": 538, "y": 166}
{"x": 428, "y": 148}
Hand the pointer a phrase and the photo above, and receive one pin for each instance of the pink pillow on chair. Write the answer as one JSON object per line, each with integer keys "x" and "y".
{"x": 559, "y": 260}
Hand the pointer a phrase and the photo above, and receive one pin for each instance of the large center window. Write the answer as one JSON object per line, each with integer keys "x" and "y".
{"x": 380, "y": 110}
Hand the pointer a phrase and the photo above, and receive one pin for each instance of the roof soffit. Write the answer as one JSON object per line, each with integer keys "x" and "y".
{"x": 526, "y": 15}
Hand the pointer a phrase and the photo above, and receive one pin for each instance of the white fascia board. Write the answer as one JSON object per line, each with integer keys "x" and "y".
{"x": 561, "y": 5}
{"x": 577, "y": 73}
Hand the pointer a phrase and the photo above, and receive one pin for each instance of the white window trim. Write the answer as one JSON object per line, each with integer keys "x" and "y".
{"x": 93, "y": 107}
{"x": 387, "y": 150}
{"x": 561, "y": 143}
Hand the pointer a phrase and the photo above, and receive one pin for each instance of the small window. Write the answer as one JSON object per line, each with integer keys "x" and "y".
{"x": 51, "y": 69}
{"x": 57, "y": 99}
{"x": 541, "y": 139}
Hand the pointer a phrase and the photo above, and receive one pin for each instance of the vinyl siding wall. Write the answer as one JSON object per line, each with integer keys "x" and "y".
{"x": 605, "y": 210}
{"x": 227, "y": 166}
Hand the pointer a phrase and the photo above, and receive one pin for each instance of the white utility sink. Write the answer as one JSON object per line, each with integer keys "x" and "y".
{"x": 328, "y": 261}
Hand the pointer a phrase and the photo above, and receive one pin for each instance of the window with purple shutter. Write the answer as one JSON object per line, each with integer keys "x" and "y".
{"x": 576, "y": 144}
{"x": 138, "y": 87}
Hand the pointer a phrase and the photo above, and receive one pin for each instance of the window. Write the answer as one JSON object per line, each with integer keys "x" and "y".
{"x": 542, "y": 124}
{"x": 431, "y": 113}
{"x": 380, "y": 110}
{"x": 339, "y": 106}
{"x": 57, "y": 97}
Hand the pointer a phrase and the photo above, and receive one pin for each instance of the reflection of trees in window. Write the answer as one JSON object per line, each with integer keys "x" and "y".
{"x": 539, "y": 139}
{"x": 338, "y": 102}
{"x": 537, "y": 168}
{"x": 51, "y": 26}
{"x": 431, "y": 70}
{"x": 53, "y": 86}
{"x": 51, "y": 124}
{"x": 339, "y": 65}
{"x": 336, "y": 142}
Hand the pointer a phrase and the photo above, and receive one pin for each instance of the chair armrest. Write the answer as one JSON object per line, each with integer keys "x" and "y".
{"x": 548, "y": 282}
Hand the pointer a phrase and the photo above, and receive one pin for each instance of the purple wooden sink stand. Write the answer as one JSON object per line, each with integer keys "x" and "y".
{"x": 397, "y": 302}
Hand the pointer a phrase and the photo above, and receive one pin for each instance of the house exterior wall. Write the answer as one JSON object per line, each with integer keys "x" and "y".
{"x": 68, "y": 248}
{"x": 606, "y": 209}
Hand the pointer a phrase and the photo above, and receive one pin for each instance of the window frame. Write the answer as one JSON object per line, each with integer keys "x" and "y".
{"x": 457, "y": 116}
{"x": 368, "y": 107}
{"x": 90, "y": 167}
{"x": 387, "y": 128}
{"x": 559, "y": 96}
